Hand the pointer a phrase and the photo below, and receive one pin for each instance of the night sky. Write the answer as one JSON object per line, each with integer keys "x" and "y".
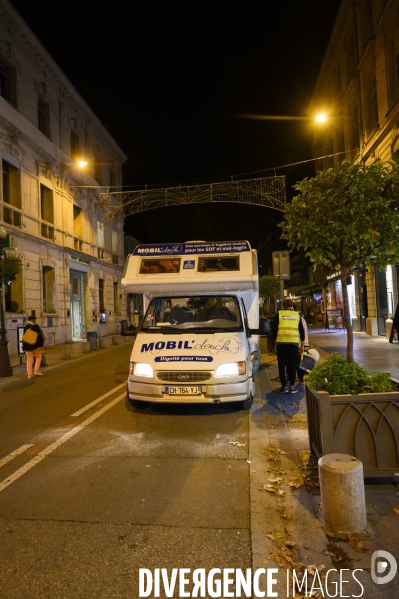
{"x": 167, "y": 79}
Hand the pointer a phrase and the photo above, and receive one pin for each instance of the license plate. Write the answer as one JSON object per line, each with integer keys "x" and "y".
{"x": 183, "y": 390}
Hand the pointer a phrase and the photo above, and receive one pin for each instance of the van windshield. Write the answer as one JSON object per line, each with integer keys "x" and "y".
{"x": 200, "y": 312}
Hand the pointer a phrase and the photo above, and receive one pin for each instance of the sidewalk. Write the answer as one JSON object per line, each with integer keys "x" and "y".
{"x": 285, "y": 496}
{"x": 374, "y": 353}
{"x": 54, "y": 357}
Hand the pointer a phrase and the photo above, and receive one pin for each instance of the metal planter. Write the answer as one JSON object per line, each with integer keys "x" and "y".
{"x": 365, "y": 426}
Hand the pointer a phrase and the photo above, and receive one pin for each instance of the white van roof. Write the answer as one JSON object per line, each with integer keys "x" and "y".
{"x": 191, "y": 267}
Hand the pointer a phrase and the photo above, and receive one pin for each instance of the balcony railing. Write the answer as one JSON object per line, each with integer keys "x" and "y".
{"x": 47, "y": 231}
{"x": 77, "y": 244}
{"x": 12, "y": 217}
{"x": 114, "y": 259}
{"x": 101, "y": 253}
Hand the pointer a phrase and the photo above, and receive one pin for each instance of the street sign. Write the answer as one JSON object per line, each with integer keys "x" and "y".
{"x": 281, "y": 265}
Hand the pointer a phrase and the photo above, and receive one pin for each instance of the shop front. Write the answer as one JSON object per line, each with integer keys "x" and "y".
{"x": 333, "y": 298}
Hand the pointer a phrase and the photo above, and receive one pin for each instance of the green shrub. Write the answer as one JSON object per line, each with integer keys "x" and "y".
{"x": 338, "y": 377}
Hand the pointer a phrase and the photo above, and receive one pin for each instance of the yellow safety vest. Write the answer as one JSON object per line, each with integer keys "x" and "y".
{"x": 288, "y": 332}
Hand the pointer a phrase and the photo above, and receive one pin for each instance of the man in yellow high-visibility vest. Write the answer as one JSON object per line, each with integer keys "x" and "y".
{"x": 289, "y": 338}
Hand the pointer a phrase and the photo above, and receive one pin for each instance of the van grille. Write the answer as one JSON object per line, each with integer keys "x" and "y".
{"x": 192, "y": 377}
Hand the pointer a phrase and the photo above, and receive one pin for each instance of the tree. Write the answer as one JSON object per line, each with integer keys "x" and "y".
{"x": 346, "y": 216}
{"x": 268, "y": 286}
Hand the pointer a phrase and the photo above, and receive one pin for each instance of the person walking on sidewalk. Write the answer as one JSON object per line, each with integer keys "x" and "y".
{"x": 35, "y": 350}
{"x": 288, "y": 335}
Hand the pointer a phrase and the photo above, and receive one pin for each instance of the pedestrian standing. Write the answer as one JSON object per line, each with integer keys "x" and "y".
{"x": 288, "y": 335}
{"x": 395, "y": 324}
{"x": 33, "y": 350}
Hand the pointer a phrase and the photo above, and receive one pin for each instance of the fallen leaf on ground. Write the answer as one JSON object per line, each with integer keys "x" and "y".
{"x": 270, "y": 488}
{"x": 274, "y": 536}
{"x": 294, "y": 482}
{"x": 336, "y": 558}
{"x": 356, "y": 544}
{"x": 286, "y": 517}
{"x": 396, "y": 510}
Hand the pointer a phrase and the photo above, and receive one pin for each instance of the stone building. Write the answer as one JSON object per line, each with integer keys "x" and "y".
{"x": 72, "y": 260}
{"x": 358, "y": 90}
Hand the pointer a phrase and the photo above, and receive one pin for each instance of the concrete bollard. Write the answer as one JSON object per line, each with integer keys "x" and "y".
{"x": 103, "y": 342}
{"x": 116, "y": 340}
{"x": 343, "y": 502}
{"x": 66, "y": 353}
{"x": 86, "y": 347}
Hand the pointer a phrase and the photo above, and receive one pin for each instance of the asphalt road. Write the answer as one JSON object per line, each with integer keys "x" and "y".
{"x": 90, "y": 496}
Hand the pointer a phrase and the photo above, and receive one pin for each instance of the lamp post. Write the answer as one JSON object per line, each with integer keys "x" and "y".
{"x": 5, "y": 365}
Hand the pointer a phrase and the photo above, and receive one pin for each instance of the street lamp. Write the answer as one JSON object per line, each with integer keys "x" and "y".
{"x": 322, "y": 118}
{"x": 68, "y": 167}
{"x": 9, "y": 255}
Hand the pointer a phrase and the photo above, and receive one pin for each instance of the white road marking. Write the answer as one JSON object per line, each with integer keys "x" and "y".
{"x": 45, "y": 452}
{"x": 96, "y": 401}
{"x": 14, "y": 454}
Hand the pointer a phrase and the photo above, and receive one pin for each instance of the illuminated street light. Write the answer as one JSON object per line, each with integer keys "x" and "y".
{"x": 68, "y": 167}
{"x": 322, "y": 118}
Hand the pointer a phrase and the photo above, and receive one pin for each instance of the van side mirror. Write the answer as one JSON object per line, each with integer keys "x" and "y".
{"x": 264, "y": 327}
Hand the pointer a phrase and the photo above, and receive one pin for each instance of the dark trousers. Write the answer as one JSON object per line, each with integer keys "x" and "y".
{"x": 287, "y": 356}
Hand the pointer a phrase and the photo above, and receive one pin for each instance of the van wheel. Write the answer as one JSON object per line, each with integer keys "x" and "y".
{"x": 247, "y": 403}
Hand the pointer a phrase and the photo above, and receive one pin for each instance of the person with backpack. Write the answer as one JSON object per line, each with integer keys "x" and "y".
{"x": 32, "y": 343}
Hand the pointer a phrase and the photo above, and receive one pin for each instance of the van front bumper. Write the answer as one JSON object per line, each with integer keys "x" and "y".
{"x": 210, "y": 393}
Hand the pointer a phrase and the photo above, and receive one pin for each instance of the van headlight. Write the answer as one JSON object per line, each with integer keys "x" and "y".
{"x": 231, "y": 369}
{"x": 141, "y": 369}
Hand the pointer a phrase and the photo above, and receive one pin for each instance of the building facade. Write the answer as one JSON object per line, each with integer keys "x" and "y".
{"x": 358, "y": 90}
{"x": 72, "y": 259}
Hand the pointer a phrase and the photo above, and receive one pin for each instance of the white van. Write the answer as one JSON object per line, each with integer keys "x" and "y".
{"x": 198, "y": 341}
